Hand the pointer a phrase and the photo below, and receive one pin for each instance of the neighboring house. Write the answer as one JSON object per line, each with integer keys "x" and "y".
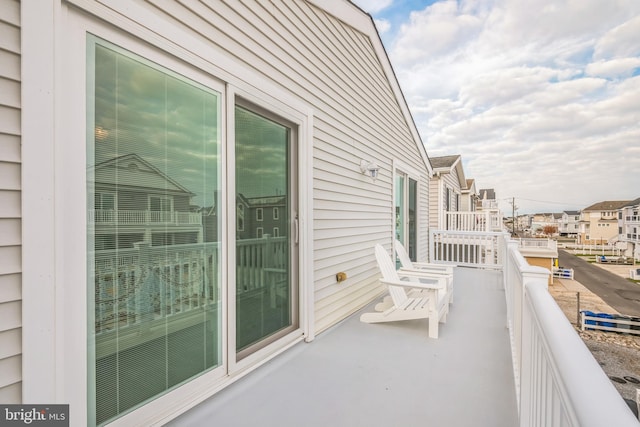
{"x": 599, "y": 223}
{"x": 523, "y": 222}
{"x": 487, "y": 200}
{"x": 162, "y": 118}
{"x": 629, "y": 228}
{"x": 446, "y": 189}
{"x": 568, "y": 225}
{"x": 260, "y": 216}
{"x": 470, "y": 197}
{"x": 541, "y": 220}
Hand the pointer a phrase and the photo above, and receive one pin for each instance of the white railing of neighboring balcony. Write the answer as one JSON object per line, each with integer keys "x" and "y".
{"x": 473, "y": 221}
{"x": 465, "y": 248}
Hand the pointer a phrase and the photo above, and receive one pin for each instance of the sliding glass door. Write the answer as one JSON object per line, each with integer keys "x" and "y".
{"x": 160, "y": 240}
{"x": 153, "y": 162}
{"x": 406, "y": 204}
{"x": 267, "y": 229}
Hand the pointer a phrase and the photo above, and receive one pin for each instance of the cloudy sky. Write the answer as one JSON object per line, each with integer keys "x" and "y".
{"x": 541, "y": 98}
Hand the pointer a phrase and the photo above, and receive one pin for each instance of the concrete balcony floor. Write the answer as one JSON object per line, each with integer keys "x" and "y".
{"x": 392, "y": 374}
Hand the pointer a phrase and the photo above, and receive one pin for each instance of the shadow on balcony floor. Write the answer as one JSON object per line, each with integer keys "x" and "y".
{"x": 360, "y": 374}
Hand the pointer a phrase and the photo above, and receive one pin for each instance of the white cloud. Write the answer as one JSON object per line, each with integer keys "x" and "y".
{"x": 621, "y": 41}
{"x": 437, "y": 30}
{"x": 382, "y": 25}
{"x": 540, "y": 98}
{"x": 623, "y": 67}
{"x": 373, "y": 6}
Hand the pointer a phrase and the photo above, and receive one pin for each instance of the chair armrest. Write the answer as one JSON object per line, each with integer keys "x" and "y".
{"x": 424, "y": 272}
{"x": 418, "y": 274}
{"x": 436, "y": 284}
{"x": 413, "y": 285}
{"x": 429, "y": 265}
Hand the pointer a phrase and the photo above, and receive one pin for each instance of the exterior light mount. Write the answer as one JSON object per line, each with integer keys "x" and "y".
{"x": 369, "y": 168}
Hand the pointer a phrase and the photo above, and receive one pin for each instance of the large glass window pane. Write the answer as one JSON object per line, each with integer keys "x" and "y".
{"x": 265, "y": 305}
{"x": 153, "y": 230}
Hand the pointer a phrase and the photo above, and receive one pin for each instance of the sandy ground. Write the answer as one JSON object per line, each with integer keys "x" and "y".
{"x": 618, "y": 354}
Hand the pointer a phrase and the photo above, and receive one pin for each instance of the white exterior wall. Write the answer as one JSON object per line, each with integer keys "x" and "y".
{"x": 435, "y": 186}
{"x": 334, "y": 68}
{"x": 276, "y": 48}
{"x": 10, "y": 211}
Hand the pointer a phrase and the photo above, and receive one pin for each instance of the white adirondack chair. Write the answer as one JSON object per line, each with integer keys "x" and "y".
{"x": 424, "y": 267}
{"x": 433, "y": 305}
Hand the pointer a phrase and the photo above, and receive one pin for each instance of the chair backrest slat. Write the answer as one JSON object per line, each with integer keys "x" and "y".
{"x": 398, "y": 294}
{"x": 405, "y": 261}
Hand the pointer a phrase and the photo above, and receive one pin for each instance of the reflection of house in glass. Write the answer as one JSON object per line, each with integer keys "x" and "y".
{"x": 156, "y": 254}
{"x": 145, "y": 205}
{"x": 151, "y": 257}
{"x": 260, "y": 216}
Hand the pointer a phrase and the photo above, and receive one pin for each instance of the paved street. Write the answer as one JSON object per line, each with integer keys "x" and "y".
{"x": 621, "y": 294}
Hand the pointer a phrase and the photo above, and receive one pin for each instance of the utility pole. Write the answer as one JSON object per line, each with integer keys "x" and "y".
{"x": 513, "y": 215}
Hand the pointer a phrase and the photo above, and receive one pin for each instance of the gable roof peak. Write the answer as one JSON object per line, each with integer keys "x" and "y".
{"x": 607, "y": 205}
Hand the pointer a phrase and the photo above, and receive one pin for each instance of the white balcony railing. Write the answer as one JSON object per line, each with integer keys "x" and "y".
{"x": 473, "y": 221}
{"x": 466, "y": 248}
{"x": 558, "y": 381}
{"x": 488, "y": 204}
{"x": 131, "y": 217}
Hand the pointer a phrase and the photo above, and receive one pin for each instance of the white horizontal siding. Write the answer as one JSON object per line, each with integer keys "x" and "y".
{"x": 10, "y": 369}
{"x": 9, "y": 32}
{"x": 10, "y": 289}
{"x": 10, "y": 123}
{"x": 12, "y": 339}
{"x": 9, "y": 176}
{"x": 334, "y": 69}
{"x": 10, "y": 315}
{"x": 423, "y": 222}
{"x": 11, "y": 394}
{"x": 10, "y": 223}
{"x": 10, "y": 91}
{"x": 10, "y": 231}
{"x": 9, "y": 204}
{"x": 434, "y": 202}
{"x": 10, "y": 148}
{"x": 10, "y": 65}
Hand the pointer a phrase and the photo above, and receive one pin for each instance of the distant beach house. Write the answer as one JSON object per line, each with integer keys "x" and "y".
{"x": 470, "y": 196}
{"x": 446, "y": 189}
{"x": 568, "y": 224}
{"x": 541, "y": 220}
{"x": 629, "y": 228}
{"x": 599, "y": 223}
{"x": 181, "y": 185}
{"x": 487, "y": 199}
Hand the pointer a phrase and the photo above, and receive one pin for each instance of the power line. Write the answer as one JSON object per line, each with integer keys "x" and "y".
{"x": 542, "y": 201}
